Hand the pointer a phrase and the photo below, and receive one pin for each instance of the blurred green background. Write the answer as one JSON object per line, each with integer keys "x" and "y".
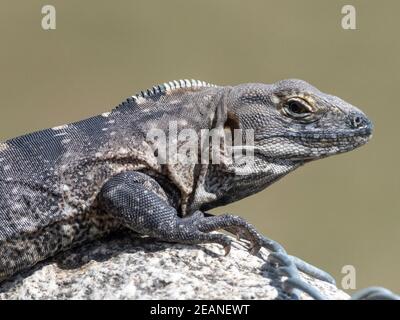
{"x": 340, "y": 211}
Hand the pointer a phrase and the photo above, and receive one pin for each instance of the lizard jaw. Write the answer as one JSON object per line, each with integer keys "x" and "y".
{"x": 308, "y": 146}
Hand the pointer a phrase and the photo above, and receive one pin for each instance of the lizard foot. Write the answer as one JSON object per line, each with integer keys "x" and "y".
{"x": 286, "y": 265}
{"x": 234, "y": 224}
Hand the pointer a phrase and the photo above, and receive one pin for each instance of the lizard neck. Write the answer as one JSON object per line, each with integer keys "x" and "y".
{"x": 222, "y": 186}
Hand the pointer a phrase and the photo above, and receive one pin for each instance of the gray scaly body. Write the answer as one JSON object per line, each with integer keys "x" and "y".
{"x": 63, "y": 186}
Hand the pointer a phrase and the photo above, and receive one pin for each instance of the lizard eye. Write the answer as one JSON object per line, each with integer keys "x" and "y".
{"x": 297, "y": 108}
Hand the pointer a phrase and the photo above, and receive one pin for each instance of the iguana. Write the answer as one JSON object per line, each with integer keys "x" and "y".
{"x": 63, "y": 186}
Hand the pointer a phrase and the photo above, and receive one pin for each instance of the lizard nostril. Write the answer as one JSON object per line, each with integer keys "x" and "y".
{"x": 357, "y": 121}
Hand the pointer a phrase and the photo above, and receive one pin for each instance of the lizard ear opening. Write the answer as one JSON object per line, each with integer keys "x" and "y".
{"x": 231, "y": 124}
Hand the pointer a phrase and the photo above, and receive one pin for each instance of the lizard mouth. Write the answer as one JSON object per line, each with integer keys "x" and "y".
{"x": 345, "y": 142}
{"x": 325, "y": 145}
{"x": 308, "y": 146}
{"x": 351, "y": 138}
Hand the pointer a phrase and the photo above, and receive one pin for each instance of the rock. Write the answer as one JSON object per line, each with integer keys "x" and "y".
{"x": 131, "y": 267}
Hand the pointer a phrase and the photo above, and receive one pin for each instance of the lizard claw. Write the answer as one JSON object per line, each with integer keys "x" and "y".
{"x": 255, "y": 249}
{"x": 227, "y": 249}
{"x": 375, "y": 293}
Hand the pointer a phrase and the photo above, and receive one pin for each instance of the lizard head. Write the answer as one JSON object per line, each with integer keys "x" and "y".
{"x": 294, "y": 121}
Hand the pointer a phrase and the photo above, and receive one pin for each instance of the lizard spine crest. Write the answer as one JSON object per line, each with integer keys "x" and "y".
{"x": 170, "y": 86}
{"x": 167, "y": 87}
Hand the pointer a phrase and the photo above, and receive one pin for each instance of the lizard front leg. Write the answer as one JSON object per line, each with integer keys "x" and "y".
{"x": 135, "y": 200}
